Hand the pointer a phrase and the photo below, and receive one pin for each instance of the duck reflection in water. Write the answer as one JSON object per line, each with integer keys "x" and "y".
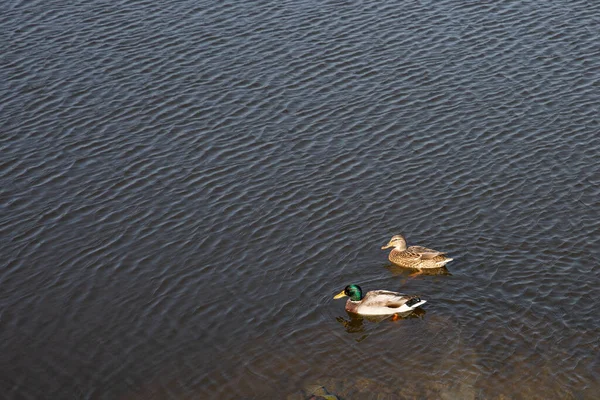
{"x": 356, "y": 323}
{"x": 398, "y": 271}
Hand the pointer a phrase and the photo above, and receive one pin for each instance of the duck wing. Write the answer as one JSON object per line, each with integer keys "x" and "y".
{"x": 385, "y": 298}
{"x": 423, "y": 253}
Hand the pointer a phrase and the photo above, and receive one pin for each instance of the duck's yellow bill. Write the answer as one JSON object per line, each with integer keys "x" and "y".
{"x": 340, "y": 295}
{"x": 386, "y": 247}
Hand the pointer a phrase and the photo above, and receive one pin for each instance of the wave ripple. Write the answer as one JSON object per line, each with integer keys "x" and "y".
{"x": 185, "y": 184}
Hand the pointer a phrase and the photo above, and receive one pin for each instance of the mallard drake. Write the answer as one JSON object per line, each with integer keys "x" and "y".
{"x": 415, "y": 257}
{"x": 378, "y": 302}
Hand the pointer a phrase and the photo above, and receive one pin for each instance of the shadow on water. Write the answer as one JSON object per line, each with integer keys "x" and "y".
{"x": 362, "y": 324}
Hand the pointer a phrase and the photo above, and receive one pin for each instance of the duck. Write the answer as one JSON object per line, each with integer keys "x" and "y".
{"x": 415, "y": 257}
{"x": 378, "y": 302}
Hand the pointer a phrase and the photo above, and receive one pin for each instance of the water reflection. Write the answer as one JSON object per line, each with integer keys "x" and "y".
{"x": 355, "y": 323}
{"x": 397, "y": 270}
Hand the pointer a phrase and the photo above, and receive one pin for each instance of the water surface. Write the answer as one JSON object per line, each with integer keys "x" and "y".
{"x": 184, "y": 186}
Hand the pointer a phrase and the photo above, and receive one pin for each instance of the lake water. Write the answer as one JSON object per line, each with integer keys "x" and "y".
{"x": 184, "y": 186}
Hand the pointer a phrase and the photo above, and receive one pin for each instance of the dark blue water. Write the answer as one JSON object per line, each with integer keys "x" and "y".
{"x": 185, "y": 185}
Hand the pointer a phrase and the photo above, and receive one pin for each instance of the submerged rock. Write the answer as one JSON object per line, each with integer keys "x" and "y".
{"x": 319, "y": 392}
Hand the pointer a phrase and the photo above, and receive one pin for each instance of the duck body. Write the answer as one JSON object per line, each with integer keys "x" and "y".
{"x": 378, "y": 302}
{"x": 416, "y": 257}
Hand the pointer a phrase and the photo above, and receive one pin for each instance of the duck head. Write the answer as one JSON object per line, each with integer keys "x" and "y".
{"x": 397, "y": 241}
{"x": 352, "y": 291}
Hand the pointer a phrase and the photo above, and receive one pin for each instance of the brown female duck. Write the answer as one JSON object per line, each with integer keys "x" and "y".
{"x": 415, "y": 257}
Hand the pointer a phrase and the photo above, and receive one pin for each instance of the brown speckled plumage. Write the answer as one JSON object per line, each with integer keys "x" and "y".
{"x": 416, "y": 257}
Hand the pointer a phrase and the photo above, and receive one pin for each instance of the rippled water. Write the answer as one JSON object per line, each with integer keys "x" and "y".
{"x": 184, "y": 186}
